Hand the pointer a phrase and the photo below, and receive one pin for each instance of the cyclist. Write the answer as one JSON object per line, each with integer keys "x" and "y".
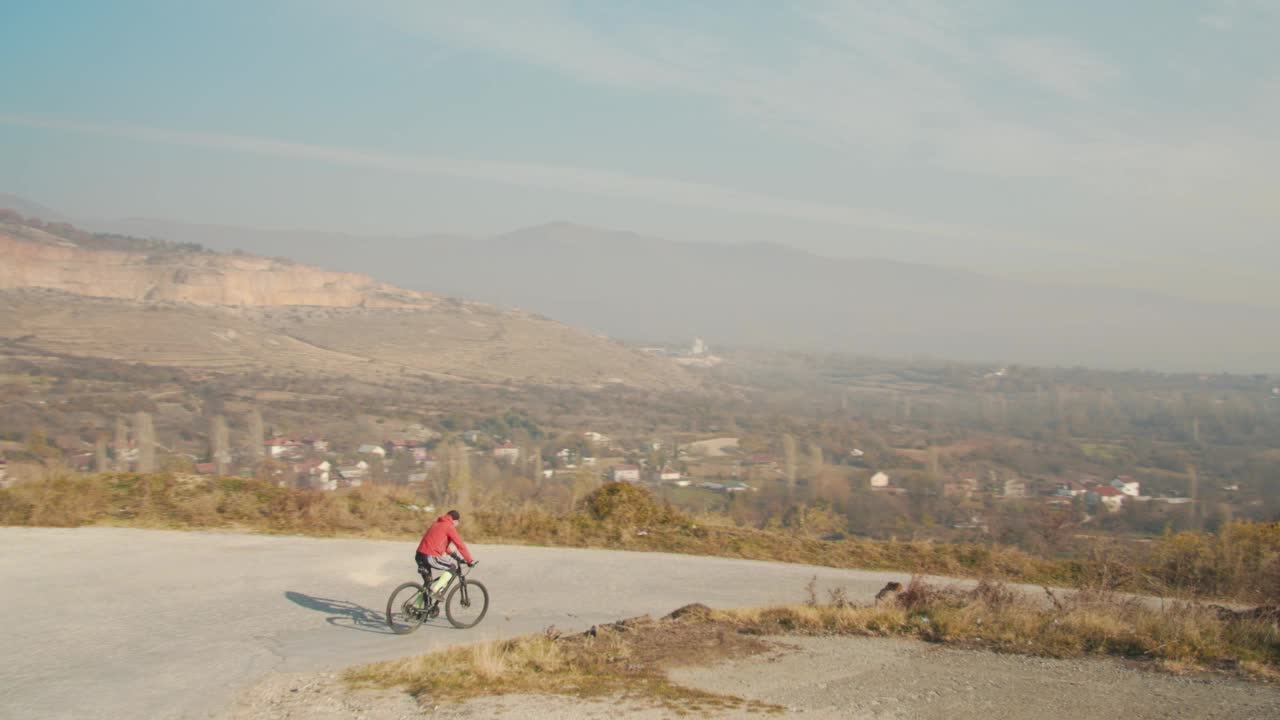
{"x": 433, "y": 552}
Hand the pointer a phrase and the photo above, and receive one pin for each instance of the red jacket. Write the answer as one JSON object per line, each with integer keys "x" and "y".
{"x": 436, "y": 541}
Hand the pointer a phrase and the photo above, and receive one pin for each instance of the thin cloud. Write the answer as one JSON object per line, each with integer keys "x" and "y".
{"x": 586, "y": 181}
{"x": 1060, "y": 67}
{"x": 909, "y": 81}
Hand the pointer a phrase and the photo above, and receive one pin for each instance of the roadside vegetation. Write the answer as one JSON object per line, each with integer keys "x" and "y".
{"x": 630, "y": 658}
{"x": 1242, "y": 562}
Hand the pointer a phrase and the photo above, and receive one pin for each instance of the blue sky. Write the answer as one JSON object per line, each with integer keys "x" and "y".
{"x": 1123, "y": 142}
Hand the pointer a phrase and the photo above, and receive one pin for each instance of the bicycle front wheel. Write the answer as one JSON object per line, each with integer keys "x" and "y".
{"x": 466, "y": 605}
{"x": 403, "y": 614}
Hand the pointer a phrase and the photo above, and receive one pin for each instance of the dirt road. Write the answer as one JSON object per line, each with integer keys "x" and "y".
{"x": 122, "y": 623}
{"x": 118, "y": 623}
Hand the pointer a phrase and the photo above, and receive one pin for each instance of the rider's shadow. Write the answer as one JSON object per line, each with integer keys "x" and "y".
{"x": 343, "y": 613}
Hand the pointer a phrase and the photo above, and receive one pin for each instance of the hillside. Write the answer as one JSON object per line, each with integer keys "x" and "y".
{"x": 181, "y": 306}
{"x": 648, "y": 289}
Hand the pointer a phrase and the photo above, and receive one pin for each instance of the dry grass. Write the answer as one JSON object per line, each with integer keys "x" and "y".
{"x": 629, "y": 659}
{"x": 1181, "y": 635}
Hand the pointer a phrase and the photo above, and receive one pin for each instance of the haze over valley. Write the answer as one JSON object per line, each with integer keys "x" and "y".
{"x": 845, "y": 358}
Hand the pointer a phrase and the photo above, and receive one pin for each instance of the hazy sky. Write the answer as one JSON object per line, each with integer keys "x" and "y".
{"x": 1138, "y": 139}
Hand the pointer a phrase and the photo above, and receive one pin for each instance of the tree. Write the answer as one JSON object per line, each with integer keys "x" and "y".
{"x": 257, "y": 436}
{"x": 789, "y": 463}
{"x": 585, "y": 481}
{"x": 219, "y": 451}
{"x": 536, "y": 452}
{"x": 121, "y": 443}
{"x": 460, "y": 478}
{"x": 100, "y": 461}
{"x": 145, "y": 433}
{"x": 816, "y": 462}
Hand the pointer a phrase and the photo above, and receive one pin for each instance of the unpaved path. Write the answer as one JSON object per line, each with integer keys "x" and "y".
{"x": 127, "y": 623}
{"x": 122, "y": 623}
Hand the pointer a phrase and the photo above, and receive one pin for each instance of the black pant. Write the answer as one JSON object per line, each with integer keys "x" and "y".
{"x": 426, "y": 563}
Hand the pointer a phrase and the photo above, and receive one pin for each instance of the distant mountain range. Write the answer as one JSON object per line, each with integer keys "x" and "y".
{"x": 645, "y": 289}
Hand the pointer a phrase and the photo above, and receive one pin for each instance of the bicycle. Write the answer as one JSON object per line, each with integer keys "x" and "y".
{"x": 465, "y": 603}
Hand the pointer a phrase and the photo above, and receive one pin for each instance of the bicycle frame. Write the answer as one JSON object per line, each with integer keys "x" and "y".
{"x": 459, "y": 577}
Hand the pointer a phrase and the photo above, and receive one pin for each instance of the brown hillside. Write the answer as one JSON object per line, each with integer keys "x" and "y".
{"x": 220, "y": 312}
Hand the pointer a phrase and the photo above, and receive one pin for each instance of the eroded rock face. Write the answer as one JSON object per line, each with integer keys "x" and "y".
{"x": 190, "y": 277}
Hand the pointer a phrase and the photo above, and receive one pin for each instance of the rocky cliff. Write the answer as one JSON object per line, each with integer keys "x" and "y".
{"x": 35, "y": 258}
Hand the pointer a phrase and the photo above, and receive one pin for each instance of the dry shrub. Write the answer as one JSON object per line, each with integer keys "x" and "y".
{"x": 200, "y": 510}
{"x": 62, "y": 501}
{"x": 624, "y": 504}
{"x": 628, "y": 659}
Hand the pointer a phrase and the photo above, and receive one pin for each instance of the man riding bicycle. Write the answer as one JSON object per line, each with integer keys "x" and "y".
{"x": 433, "y": 552}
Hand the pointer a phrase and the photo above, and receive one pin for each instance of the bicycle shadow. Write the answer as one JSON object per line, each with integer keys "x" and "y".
{"x": 342, "y": 613}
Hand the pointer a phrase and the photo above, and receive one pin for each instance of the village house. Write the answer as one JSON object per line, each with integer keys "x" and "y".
{"x": 317, "y": 445}
{"x": 1107, "y": 496}
{"x": 398, "y": 445}
{"x": 668, "y": 474}
{"x": 205, "y": 468}
{"x": 353, "y": 475}
{"x": 1015, "y": 488}
{"x": 371, "y": 449}
{"x": 625, "y": 473}
{"x": 1070, "y": 490}
{"x": 737, "y": 487}
{"x": 880, "y": 480}
{"x": 417, "y": 478}
{"x": 316, "y": 474}
{"x": 507, "y": 452}
{"x": 283, "y": 447}
{"x": 596, "y": 438}
{"x": 1127, "y": 485}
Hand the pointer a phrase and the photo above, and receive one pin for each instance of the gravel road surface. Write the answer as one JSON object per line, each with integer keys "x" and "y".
{"x": 127, "y": 623}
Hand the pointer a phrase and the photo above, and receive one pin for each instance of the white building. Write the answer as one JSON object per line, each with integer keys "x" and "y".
{"x": 879, "y": 480}
{"x": 1127, "y": 485}
{"x": 625, "y": 473}
{"x": 507, "y": 452}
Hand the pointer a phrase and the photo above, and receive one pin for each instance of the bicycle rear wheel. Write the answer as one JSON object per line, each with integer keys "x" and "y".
{"x": 466, "y": 605}
{"x": 402, "y": 615}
